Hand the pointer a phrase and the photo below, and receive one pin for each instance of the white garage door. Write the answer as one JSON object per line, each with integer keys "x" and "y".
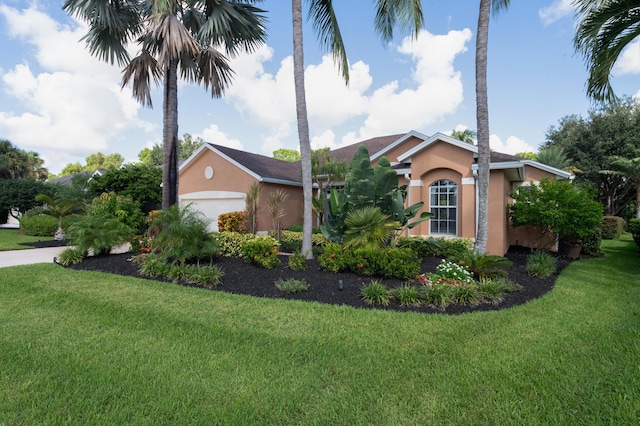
{"x": 214, "y": 203}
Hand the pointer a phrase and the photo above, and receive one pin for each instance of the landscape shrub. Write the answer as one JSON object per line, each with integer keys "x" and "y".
{"x": 231, "y": 222}
{"x": 288, "y": 236}
{"x": 492, "y": 290}
{"x": 466, "y": 294}
{"x": 262, "y": 253}
{"x": 634, "y": 227}
{"x": 299, "y": 228}
{"x": 297, "y": 262}
{"x": 230, "y": 243}
{"x": 452, "y": 271}
{"x": 291, "y": 285}
{"x": 612, "y": 227}
{"x": 333, "y": 258}
{"x": 70, "y": 256}
{"x": 541, "y": 264}
{"x": 98, "y": 234}
{"x": 183, "y": 235}
{"x": 591, "y": 244}
{"x": 483, "y": 265}
{"x": 123, "y": 208}
{"x": 437, "y": 247}
{"x": 375, "y": 293}
{"x": 391, "y": 262}
{"x": 407, "y": 295}
{"x": 38, "y": 225}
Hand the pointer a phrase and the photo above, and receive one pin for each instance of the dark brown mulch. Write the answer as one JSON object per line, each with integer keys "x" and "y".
{"x": 242, "y": 278}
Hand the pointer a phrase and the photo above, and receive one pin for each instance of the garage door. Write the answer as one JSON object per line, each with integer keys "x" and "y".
{"x": 214, "y": 203}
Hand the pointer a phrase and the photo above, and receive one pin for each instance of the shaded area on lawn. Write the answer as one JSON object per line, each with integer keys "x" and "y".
{"x": 242, "y": 278}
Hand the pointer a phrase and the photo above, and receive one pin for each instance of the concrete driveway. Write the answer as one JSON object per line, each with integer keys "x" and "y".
{"x": 28, "y": 257}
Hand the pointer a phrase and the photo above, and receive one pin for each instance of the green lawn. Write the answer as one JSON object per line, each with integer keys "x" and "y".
{"x": 10, "y": 239}
{"x": 90, "y": 348}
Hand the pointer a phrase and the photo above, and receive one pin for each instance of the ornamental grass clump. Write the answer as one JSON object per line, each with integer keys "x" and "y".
{"x": 407, "y": 295}
{"x": 375, "y": 293}
{"x": 541, "y": 264}
{"x": 291, "y": 285}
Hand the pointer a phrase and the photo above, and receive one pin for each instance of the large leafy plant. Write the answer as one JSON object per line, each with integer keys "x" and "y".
{"x": 367, "y": 187}
{"x": 556, "y": 207}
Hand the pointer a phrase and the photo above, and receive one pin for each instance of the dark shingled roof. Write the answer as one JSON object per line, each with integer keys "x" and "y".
{"x": 263, "y": 166}
{"x": 499, "y": 157}
{"x": 273, "y": 169}
{"x": 373, "y": 145}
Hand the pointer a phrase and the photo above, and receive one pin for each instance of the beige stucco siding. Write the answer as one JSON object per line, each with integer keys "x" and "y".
{"x": 293, "y": 206}
{"x": 226, "y": 176}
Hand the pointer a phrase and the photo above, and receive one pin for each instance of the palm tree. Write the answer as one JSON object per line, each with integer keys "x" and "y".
{"x": 173, "y": 35}
{"x": 482, "y": 117}
{"x": 59, "y": 208}
{"x": 604, "y": 29}
{"x": 553, "y": 156}
{"x": 465, "y": 135}
{"x": 404, "y": 13}
{"x": 629, "y": 168}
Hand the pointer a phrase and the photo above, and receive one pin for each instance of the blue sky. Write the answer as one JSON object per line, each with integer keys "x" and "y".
{"x": 59, "y": 101}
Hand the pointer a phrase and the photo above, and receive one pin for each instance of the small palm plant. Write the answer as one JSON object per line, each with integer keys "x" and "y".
{"x": 367, "y": 227}
{"x": 484, "y": 265}
{"x": 60, "y": 208}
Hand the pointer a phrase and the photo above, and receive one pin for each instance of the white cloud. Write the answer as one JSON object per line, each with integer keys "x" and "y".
{"x": 629, "y": 61}
{"x": 68, "y": 104}
{"x": 556, "y": 11}
{"x": 512, "y": 146}
{"x": 213, "y": 134}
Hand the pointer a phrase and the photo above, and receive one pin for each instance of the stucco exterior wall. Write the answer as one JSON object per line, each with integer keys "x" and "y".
{"x": 293, "y": 206}
{"x": 226, "y": 176}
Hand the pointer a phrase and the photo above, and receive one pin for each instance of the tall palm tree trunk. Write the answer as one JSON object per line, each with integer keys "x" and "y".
{"x": 170, "y": 137}
{"x": 303, "y": 127}
{"x": 482, "y": 116}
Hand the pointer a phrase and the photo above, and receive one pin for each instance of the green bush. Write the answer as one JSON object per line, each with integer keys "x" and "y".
{"x": 70, "y": 256}
{"x": 398, "y": 263}
{"x": 98, "y": 234}
{"x": 38, "y": 225}
{"x": 375, "y": 293}
{"x": 297, "y": 262}
{"x": 407, "y": 295}
{"x": 492, "y": 290}
{"x": 591, "y": 243}
{"x": 483, "y": 265}
{"x": 230, "y": 243}
{"x": 333, "y": 258}
{"x": 299, "y": 228}
{"x": 634, "y": 227}
{"x": 291, "y": 285}
{"x": 466, "y": 294}
{"x": 541, "y": 264}
{"x": 231, "y": 222}
{"x": 262, "y": 253}
{"x": 437, "y": 294}
{"x": 290, "y": 236}
{"x": 183, "y": 236}
{"x": 612, "y": 227}
{"x": 123, "y": 208}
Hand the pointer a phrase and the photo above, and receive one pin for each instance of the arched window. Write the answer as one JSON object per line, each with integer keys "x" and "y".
{"x": 444, "y": 206}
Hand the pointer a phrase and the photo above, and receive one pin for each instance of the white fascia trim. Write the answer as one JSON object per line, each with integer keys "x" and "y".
{"x": 402, "y": 172}
{"x": 436, "y": 137}
{"x": 507, "y": 165}
{"x": 389, "y": 147}
{"x": 558, "y": 172}
{"x": 193, "y": 156}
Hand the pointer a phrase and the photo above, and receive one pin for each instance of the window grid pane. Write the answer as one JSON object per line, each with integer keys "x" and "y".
{"x": 444, "y": 206}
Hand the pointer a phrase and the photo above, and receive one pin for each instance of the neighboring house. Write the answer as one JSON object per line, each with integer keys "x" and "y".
{"x": 439, "y": 170}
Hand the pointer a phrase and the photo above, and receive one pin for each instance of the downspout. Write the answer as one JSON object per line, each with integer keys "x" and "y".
{"x": 407, "y": 176}
{"x": 475, "y": 177}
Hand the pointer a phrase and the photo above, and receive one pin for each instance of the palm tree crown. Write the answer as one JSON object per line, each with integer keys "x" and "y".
{"x": 604, "y": 29}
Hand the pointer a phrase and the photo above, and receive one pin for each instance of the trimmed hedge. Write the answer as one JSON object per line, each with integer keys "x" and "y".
{"x": 612, "y": 227}
{"x": 634, "y": 228}
{"x": 231, "y": 222}
{"x": 230, "y": 243}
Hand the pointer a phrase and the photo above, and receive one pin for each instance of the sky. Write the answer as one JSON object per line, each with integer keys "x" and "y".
{"x": 59, "y": 101}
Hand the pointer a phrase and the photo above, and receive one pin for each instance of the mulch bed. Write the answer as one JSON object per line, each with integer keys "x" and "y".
{"x": 242, "y": 278}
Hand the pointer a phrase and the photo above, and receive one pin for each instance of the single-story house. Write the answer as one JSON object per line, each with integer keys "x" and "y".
{"x": 439, "y": 170}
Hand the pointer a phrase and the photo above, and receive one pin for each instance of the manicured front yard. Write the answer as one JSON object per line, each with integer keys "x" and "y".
{"x": 11, "y": 239}
{"x": 92, "y": 348}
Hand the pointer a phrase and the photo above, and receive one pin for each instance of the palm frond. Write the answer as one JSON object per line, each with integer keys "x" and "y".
{"x": 325, "y": 24}
{"x": 140, "y": 69}
{"x": 209, "y": 68}
{"x": 172, "y": 39}
{"x": 406, "y": 14}
{"x": 234, "y": 26}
